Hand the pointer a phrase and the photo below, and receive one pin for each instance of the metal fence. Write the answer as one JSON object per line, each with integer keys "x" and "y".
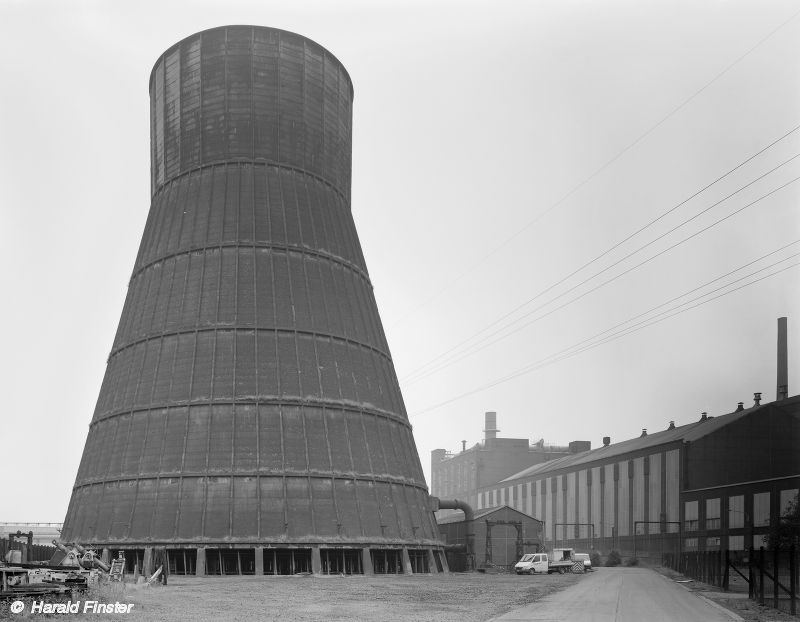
{"x": 769, "y": 577}
{"x": 30, "y": 553}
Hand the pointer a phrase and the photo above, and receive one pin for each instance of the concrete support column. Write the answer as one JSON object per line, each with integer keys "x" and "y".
{"x": 443, "y": 557}
{"x": 259, "y": 560}
{"x": 147, "y": 562}
{"x": 200, "y": 564}
{"x": 432, "y": 562}
{"x": 316, "y": 560}
{"x": 105, "y": 556}
{"x": 366, "y": 561}
{"x": 407, "y": 562}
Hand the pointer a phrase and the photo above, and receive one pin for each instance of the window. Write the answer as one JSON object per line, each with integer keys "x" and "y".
{"x": 712, "y": 514}
{"x": 712, "y": 543}
{"x": 736, "y": 512}
{"x": 787, "y": 497}
{"x": 690, "y": 518}
{"x": 761, "y": 509}
{"x": 736, "y": 543}
{"x": 690, "y": 544}
{"x": 760, "y": 540}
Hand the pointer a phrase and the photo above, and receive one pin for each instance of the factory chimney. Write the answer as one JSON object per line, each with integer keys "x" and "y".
{"x": 782, "y": 391}
{"x": 490, "y": 429}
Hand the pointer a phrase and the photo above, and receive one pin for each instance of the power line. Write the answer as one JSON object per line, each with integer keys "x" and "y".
{"x": 742, "y": 267}
{"x": 424, "y": 371}
{"x": 555, "y": 358}
{"x": 645, "y": 323}
{"x": 597, "y": 172}
{"x": 700, "y": 297}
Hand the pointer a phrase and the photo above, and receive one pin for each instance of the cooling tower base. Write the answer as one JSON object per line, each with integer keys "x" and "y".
{"x": 282, "y": 559}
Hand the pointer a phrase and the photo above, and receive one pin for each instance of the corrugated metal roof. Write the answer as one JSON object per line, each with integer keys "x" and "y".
{"x": 688, "y": 432}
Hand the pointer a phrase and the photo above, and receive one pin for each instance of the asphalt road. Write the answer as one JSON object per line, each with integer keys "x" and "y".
{"x": 621, "y": 595}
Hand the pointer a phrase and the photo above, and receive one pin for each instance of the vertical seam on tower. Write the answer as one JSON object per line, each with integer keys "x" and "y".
{"x": 234, "y": 338}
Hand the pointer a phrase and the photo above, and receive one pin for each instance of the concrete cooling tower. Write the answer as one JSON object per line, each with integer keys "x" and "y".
{"x": 250, "y": 419}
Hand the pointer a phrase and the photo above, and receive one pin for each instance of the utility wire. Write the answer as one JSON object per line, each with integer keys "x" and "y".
{"x": 597, "y": 172}
{"x": 564, "y": 354}
{"x": 466, "y": 354}
{"x": 424, "y": 370}
{"x": 686, "y": 302}
{"x": 667, "y": 314}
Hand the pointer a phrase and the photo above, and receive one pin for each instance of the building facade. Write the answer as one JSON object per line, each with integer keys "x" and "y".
{"x": 461, "y": 475}
{"x": 718, "y": 483}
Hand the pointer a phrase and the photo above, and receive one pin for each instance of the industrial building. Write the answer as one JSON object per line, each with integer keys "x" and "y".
{"x": 716, "y": 483}
{"x": 43, "y": 533}
{"x": 719, "y": 482}
{"x": 493, "y": 536}
{"x": 250, "y": 419}
{"x": 460, "y": 475}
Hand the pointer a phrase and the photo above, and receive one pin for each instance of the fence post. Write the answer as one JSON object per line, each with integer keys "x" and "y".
{"x": 792, "y": 581}
{"x": 726, "y": 573}
{"x": 751, "y": 592}
{"x": 776, "y": 564}
{"x": 761, "y": 575}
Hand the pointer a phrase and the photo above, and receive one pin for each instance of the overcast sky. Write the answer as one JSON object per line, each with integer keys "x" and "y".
{"x": 498, "y": 148}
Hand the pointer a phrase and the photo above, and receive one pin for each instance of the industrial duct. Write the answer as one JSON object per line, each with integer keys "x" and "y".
{"x": 469, "y": 518}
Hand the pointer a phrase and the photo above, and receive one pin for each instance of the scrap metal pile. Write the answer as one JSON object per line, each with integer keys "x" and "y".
{"x": 71, "y": 568}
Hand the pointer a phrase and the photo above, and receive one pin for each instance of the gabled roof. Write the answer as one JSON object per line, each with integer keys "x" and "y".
{"x": 689, "y": 432}
{"x": 483, "y": 513}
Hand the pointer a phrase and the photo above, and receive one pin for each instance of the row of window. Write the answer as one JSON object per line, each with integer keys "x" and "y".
{"x": 735, "y": 543}
{"x": 738, "y": 517}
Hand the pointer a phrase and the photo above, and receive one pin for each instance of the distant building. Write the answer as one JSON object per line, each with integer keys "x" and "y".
{"x": 43, "y": 533}
{"x": 461, "y": 475}
{"x": 718, "y": 483}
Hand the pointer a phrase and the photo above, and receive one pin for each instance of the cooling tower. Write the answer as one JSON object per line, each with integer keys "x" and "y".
{"x": 250, "y": 418}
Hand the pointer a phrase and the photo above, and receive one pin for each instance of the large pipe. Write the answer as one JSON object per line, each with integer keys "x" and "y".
{"x": 469, "y": 517}
{"x": 60, "y": 546}
{"x": 457, "y": 504}
{"x": 782, "y": 391}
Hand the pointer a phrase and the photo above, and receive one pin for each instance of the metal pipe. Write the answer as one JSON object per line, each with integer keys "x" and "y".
{"x": 469, "y": 517}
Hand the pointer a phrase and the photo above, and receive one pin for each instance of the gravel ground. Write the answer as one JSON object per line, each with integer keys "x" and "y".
{"x": 736, "y": 600}
{"x": 455, "y": 597}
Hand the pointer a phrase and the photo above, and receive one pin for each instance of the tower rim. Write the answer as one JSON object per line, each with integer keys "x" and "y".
{"x": 177, "y": 45}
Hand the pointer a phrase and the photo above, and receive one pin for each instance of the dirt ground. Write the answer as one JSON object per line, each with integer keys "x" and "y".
{"x": 736, "y": 600}
{"x": 438, "y": 598}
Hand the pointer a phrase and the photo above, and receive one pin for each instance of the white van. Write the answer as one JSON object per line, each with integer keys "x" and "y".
{"x": 531, "y": 563}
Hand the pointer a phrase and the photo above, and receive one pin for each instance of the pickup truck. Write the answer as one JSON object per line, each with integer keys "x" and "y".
{"x": 561, "y": 561}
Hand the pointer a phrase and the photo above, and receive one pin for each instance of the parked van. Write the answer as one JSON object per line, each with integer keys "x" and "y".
{"x": 531, "y": 563}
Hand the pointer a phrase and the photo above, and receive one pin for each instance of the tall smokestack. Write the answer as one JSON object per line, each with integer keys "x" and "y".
{"x": 490, "y": 430}
{"x": 782, "y": 391}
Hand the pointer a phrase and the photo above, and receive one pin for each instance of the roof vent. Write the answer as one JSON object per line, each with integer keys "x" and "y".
{"x": 463, "y": 446}
{"x": 606, "y": 441}
{"x": 671, "y": 425}
{"x": 644, "y": 432}
{"x": 739, "y": 406}
{"x": 757, "y": 399}
{"x": 703, "y": 416}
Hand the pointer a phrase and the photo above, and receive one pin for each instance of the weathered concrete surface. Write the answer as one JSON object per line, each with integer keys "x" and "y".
{"x": 622, "y": 595}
